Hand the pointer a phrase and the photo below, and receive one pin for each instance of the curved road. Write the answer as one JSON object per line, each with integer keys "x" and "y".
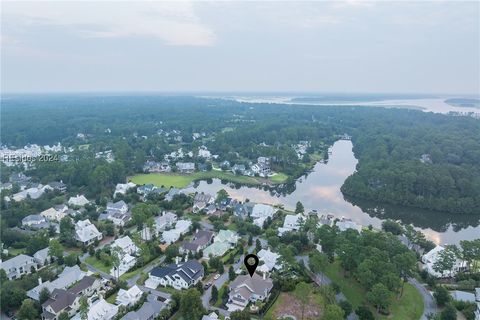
{"x": 430, "y": 306}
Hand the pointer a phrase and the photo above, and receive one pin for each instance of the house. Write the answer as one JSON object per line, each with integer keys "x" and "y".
{"x": 225, "y": 165}
{"x": 211, "y": 209}
{"x": 211, "y": 316}
{"x": 291, "y": 223}
{"x": 172, "y": 193}
{"x": 179, "y": 275}
{"x": 153, "y": 166}
{"x": 19, "y": 178}
{"x": 326, "y": 219}
{"x": 224, "y": 241}
{"x": 430, "y": 258}
{"x": 32, "y": 193}
{"x": 122, "y": 188}
{"x": 33, "y": 220}
{"x": 87, "y": 286}
{"x": 127, "y": 262}
{"x": 42, "y": 257}
{"x": 345, "y": 224}
{"x": 262, "y": 167}
{"x": 78, "y": 201}
{"x": 100, "y": 310}
{"x": 150, "y": 310}
{"x": 203, "y": 152}
{"x": 60, "y": 300}
{"x": 245, "y": 289}
{"x": 119, "y": 206}
{"x": 53, "y": 214}
{"x": 145, "y": 189}
{"x": 162, "y": 222}
{"x": 86, "y": 232}
{"x": 185, "y": 167}
{"x": 238, "y": 169}
{"x": 268, "y": 261}
{"x": 117, "y": 213}
{"x": 181, "y": 227}
{"x": 129, "y": 297}
{"x": 18, "y": 266}
{"x": 261, "y": 212}
{"x": 201, "y": 239}
{"x": 243, "y": 210}
{"x": 58, "y": 185}
{"x": 69, "y": 276}
{"x": 126, "y": 251}
{"x": 201, "y": 201}
{"x": 463, "y": 296}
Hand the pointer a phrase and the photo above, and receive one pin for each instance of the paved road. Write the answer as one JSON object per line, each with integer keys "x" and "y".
{"x": 156, "y": 292}
{"x": 430, "y": 306}
{"x": 152, "y": 264}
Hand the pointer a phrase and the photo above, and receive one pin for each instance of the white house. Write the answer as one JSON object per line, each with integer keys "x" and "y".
{"x": 33, "y": 220}
{"x": 42, "y": 257}
{"x": 18, "y": 266}
{"x": 430, "y": 258}
{"x": 119, "y": 206}
{"x": 269, "y": 261}
{"x": 86, "y": 232}
{"x": 129, "y": 297}
{"x": 78, "y": 201}
{"x": 162, "y": 222}
{"x": 291, "y": 223}
{"x": 122, "y": 188}
{"x": 224, "y": 241}
{"x": 32, "y": 193}
{"x": 181, "y": 227}
{"x": 178, "y": 275}
{"x": 126, "y": 245}
{"x": 245, "y": 289}
{"x": 127, "y": 262}
{"x": 261, "y": 212}
{"x": 52, "y": 214}
{"x": 100, "y": 310}
{"x": 345, "y": 224}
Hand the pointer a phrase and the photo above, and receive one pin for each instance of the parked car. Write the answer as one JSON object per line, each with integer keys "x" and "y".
{"x": 216, "y": 276}
{"x": 207, "y": 285}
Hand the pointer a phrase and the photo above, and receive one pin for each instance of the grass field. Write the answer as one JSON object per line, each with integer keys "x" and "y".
{"x": 94, "y": 262}
{"x": 279, "y": 178}
{"x": 183, "y": 180}
{"x": 409, "y": 306}
{"x": 349, "y": 286}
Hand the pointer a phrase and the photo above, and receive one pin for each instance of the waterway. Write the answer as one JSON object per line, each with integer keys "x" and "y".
{"x": 320, "y": 190}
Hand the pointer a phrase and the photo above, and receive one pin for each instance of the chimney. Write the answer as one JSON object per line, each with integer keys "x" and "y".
{"x": 39, "y": 281}
{"x": 176, "y": 260}
{"x": 264, "y": 275}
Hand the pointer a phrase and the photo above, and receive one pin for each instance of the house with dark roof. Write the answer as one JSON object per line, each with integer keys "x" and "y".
{"x": 181, "y": 275}
{"x": 201, "y": 239}
{"x": 60, "y": 300}
{"x": 87, "y": 286}
{"x": 58, "y": 185}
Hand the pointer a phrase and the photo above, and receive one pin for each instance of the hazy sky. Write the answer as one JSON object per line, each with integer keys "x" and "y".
{"x": 401, "y": 47}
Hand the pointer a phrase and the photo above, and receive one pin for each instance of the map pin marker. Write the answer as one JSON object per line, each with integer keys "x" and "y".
{"x": 251, "y": 262}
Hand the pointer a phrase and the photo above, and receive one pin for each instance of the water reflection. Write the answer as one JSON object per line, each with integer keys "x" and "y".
{"x": 320, "y": 190}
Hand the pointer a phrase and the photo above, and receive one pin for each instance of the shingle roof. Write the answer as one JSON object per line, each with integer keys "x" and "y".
{"x": 82, "y": 284}
{"x": 60, "y": 299}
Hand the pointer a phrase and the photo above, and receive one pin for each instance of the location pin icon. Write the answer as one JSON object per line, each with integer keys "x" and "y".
{"x": 251, "y": 263}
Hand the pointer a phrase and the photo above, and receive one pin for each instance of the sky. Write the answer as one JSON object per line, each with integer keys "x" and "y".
{"x": 352, "y": 46}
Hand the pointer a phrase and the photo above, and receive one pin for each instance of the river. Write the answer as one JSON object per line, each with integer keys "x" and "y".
{"x": 320, "y": 190}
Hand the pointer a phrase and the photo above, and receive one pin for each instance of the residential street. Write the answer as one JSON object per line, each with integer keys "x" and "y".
{"x": 430, "y": 306}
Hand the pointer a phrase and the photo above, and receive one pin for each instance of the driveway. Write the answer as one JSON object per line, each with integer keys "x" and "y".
{"x": 430, "y": 306}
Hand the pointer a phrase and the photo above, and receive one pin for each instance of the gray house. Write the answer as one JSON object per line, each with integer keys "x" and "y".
{"x": 18, "y": 266}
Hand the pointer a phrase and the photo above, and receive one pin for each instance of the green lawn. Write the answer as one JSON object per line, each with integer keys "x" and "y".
{"x": 279, "y": 178}
{"x": 112, "y": 298}
{"x": 16, "y": 251}
{"x": 409, "y": 306}
{"x": 349, "y": 286}
{"x": 183, "y": 180}
{"x": 94, "y": 262}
